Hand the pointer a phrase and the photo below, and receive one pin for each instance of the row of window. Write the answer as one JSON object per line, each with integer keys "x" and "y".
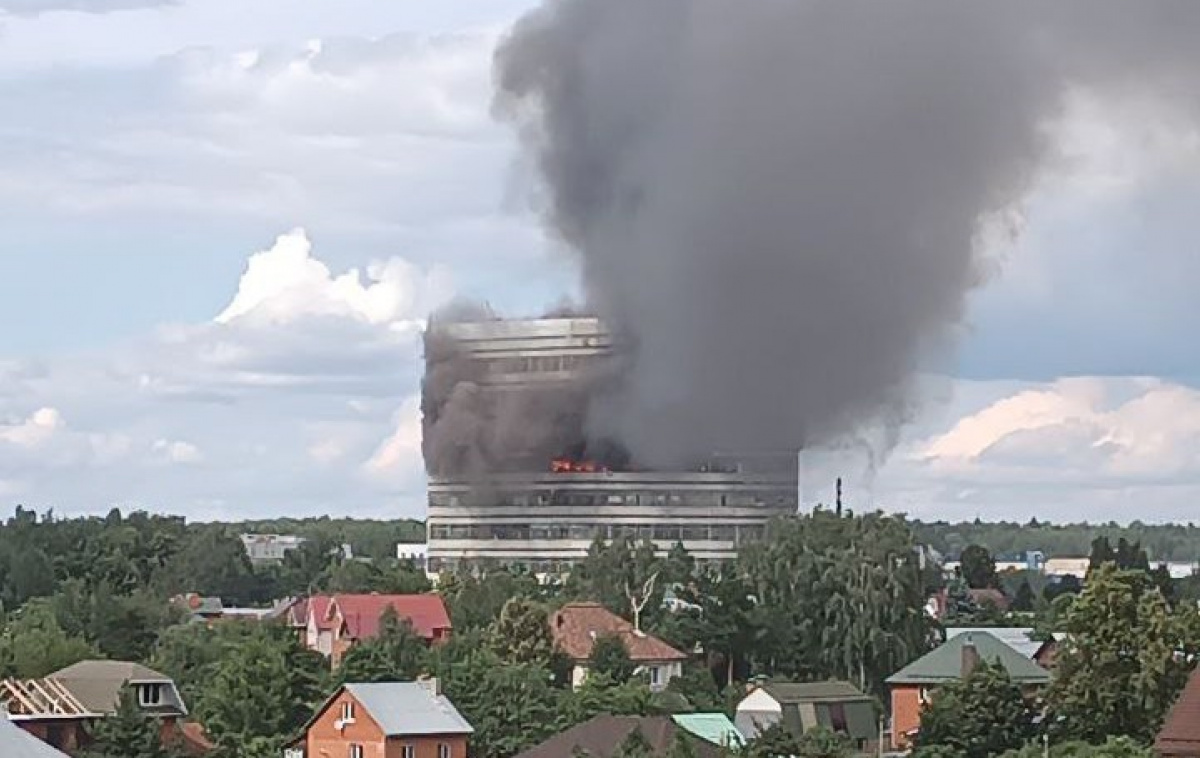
{"x": 406, "y": 751}
{"x": 737, "y": 533}
{"x": 554, "y": 567}
{"x": 707, "y": 499}
{"x": 535, "y": 364}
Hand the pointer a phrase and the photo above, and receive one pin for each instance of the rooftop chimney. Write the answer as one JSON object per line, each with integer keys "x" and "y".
{"x": 970, "y": 656}
{"x": 431, "y": 685}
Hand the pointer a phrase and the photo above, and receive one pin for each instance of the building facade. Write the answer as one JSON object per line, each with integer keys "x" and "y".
{"x": 545, "y": 515}
{"x": 385, "y": 720}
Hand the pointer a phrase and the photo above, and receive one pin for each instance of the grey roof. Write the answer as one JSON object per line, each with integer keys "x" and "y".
{"x": 944, "y": 663}
{"x": 1017, "y": 637}
{"x": 98, "y": 684}
{"x": 403, "y": 708}
{"x": 15, "y": 742}
{"x": 808, "y": 692}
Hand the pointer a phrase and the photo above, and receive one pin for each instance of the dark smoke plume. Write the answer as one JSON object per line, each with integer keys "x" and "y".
{"x": 779, "y": 202}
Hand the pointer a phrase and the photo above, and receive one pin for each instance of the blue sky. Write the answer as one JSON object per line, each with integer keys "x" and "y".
{"x": 150, "y": 149}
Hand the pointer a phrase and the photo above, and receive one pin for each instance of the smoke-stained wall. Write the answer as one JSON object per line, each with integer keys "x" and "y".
{"x": 779, "y": 203}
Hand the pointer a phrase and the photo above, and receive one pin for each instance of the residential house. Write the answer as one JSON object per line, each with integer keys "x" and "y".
{"x": 603, "y": 736}
{"x": 17, "y": 743}
{"x": 1019, "y": 638}
{"x": 1180, "y": 733}
{"x": 269, "y": 548}
{"x": 209, "y": 610}
{"x": 47, "y": 710}
{"x": 576, "y": 626}
{"x": 98, "y": 686}
{"x": 913, "y": 686}
{"x": 385, "y": 720}
{"x": 803, "y": 706}
{"x": 989, "y": 597}
{"x": 336, "y": 623}
{"x": 715, "y": 728}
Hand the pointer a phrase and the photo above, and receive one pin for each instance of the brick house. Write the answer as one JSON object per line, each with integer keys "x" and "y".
{"x": 385, "y": 720}
{"x": 335, "y": 623}
{"x": 915, "y": 685}
{"x": 1180, "y": 733}
{"x": 575, "y": 627}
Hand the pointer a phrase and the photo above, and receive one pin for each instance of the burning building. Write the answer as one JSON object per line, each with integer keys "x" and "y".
{"x": 519, "y": 476}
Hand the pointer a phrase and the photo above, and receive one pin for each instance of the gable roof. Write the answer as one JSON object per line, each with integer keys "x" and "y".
{"x": 15, "y": 742}
{"x": 576, "y": 626}
{"x": 711, "y": 727}
{"x": 361, "y": 613}
{"x": 98, "y": 684}
{"x": 814, "y": 692}
{"x": 1180, "y": 733}
{"x": 1016, "y": 637}
{"x": 318, "y": 607}
{"x": 601, "y": 737}
{"x": 404, "y": 708}
{"x": 41, "y": 699}
{"x": 944, "y": 663}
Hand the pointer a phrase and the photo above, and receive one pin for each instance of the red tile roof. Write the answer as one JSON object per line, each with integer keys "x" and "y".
{"x": 576, "y": 626}
{"x": 361, "y": 613}
{"x": 1180, "y": 734}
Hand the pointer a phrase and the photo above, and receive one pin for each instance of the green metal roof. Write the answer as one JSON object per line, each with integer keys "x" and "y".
{"x": 944, "y": 663}
{"x": 813, "y": 692}
{"x": 711, "y": 727}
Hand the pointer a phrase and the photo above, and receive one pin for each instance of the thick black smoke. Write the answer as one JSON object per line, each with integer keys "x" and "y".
{"x": 779, "y": 202}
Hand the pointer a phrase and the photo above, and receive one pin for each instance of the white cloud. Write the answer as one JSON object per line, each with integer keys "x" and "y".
{"x": 399, "y": 455}
{"x": 34, "y": 431}
{"x": 177, "y": 451}
{"x": 299, "y": 398}
{"x": 285, "y": 283}
{"x": 35, "y": 7}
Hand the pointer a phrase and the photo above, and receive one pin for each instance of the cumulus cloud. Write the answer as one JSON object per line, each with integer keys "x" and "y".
{"x": 285, "y": 283}
{"x": 34, "y": 431}
{"x": 306, "y": 365}
{"x": 399, "y": 455}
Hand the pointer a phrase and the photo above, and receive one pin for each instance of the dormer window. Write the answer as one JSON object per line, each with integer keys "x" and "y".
{"x": 149, "y": 695}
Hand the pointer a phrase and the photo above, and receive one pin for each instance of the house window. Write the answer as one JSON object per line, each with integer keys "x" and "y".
{"x": 348, "y": 712}
{"x": 408, "y": 751}
{"x": 655, "y": 676}
{"x": 923, "y": 696}
{"x": 149, "y": 694}
{"x": 443, "y": 750}
{"x": 356, "y": 750}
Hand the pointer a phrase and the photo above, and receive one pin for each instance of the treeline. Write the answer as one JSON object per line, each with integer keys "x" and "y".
{"x": 368, "y": 538}
{"x": 1162, "y": 542}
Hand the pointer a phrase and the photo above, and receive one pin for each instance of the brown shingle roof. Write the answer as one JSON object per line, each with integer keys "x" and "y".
{"x": 1180, "y": 734}
{"x": 602, "y": 737}
{"x": 576, "y": 626}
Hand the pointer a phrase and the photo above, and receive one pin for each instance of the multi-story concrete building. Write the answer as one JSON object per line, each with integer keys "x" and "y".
{"x": 546, "y": 515}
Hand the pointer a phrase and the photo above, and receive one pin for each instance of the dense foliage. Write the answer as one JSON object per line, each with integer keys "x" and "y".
{"x": 829, "y": 594}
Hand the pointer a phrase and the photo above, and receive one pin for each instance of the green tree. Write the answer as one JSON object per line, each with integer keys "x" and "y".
{"x": 836, "y": 596}
{"x": 511, "y": 707}
{"x": 1125, "y": 659}
{"x": 978, "y": 568}
{"x": 475, "y": 598}
{"x": 397, "y": 653}
{"x": 980, "y": 716}
{"x": 1024, "y": 600}
{"x": 521, "y": 634}
{"x": 610, "y": 658}
{"x": 262, "y": 690}
{"x": 130, "y": 733}
{"x": 34, "y": 645}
